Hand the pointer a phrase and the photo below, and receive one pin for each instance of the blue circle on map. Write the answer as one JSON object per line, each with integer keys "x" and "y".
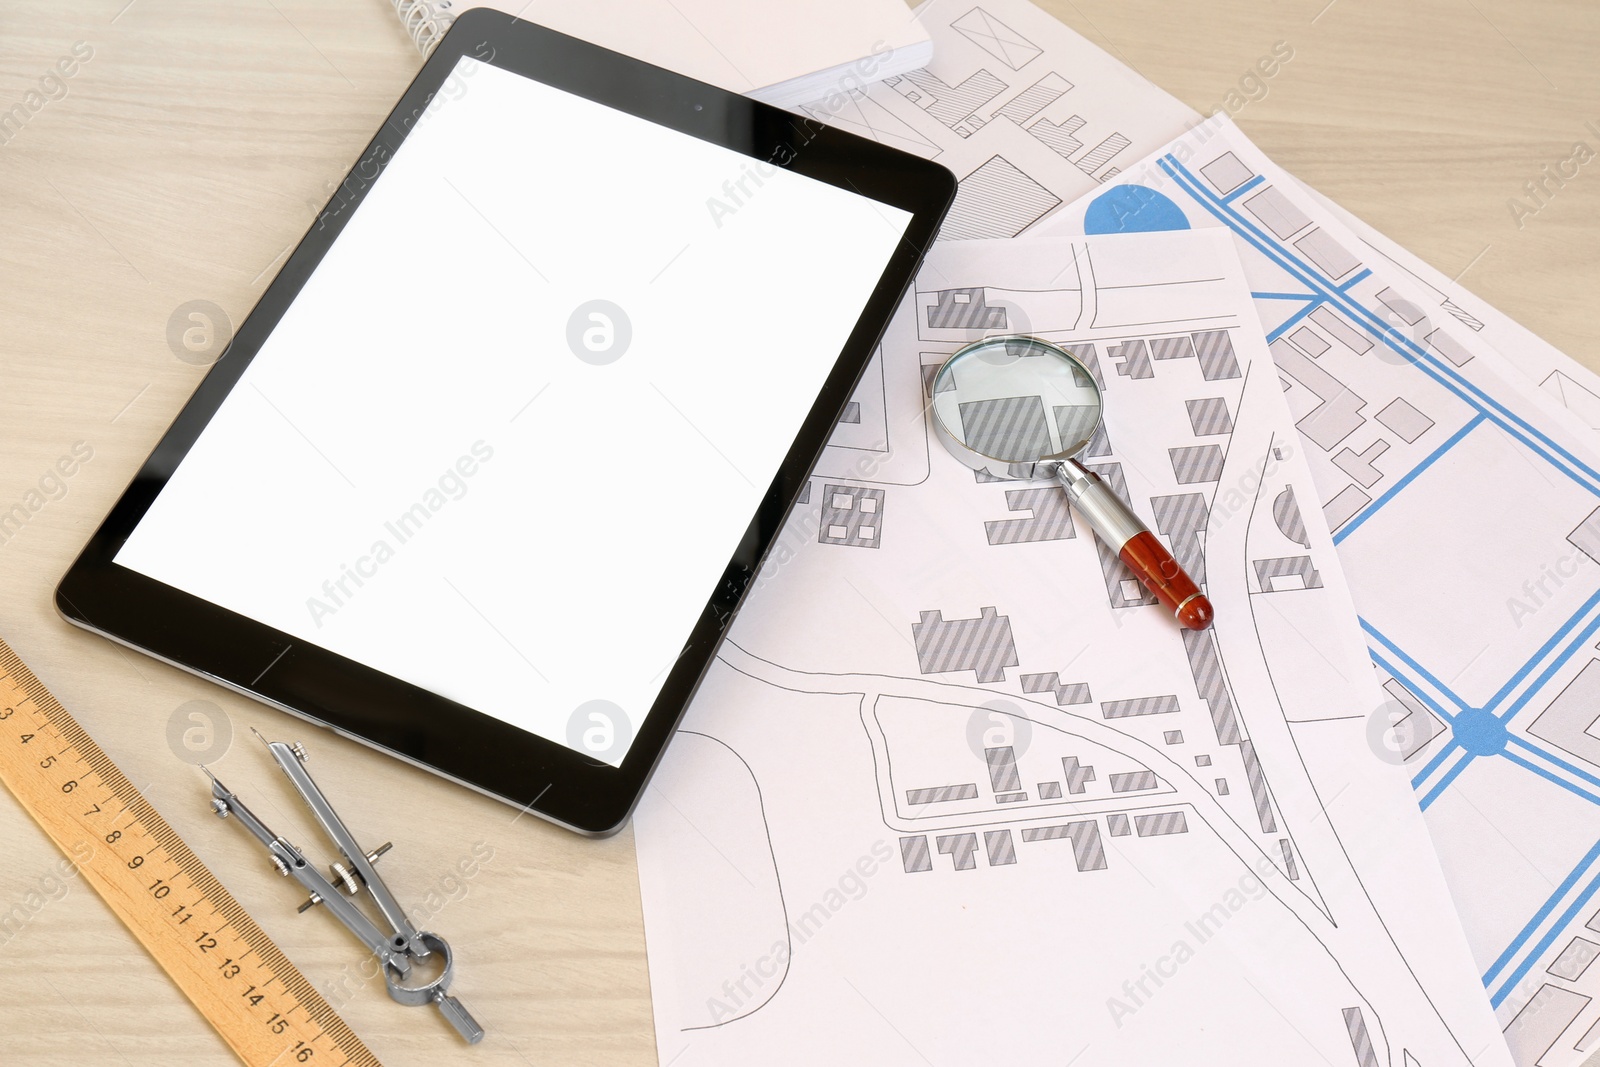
{"x": 1132, "y": 209}
{"x": 1479, "y": 732}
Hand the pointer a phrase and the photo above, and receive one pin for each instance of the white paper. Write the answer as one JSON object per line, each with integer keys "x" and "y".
{"x": 1466, "y": 508}
{"x": 877, "y": 837}
{"x": 1040, "y": 117}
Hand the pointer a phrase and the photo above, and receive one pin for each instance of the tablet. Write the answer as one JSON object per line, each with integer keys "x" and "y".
{"x": 483, "y": 477}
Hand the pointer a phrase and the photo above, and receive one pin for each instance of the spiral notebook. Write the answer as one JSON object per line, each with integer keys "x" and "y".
{"x": 781, "y": 53}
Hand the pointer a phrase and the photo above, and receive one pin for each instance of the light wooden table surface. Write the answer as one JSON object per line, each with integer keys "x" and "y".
{"x": 193, "y": 149}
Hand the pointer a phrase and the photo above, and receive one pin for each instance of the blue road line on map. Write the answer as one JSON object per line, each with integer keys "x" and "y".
{"x": 1449, "y": 746}
{"x": 1579, "y": 641}
{"x": 1476, "y": 397}
{"x": 1433, "y": 705}
{"x": 1570, "y": 787}
{"x": 1433, "y": 764}
{"x": 1556, "y": 664}
{"x": 1294, "y": 320}
{"x": 1555, "y": 931}
{"x": 1361, "y": 276}
{"x": 1539, "y": 916}
{"x": 1425, "y": 361}
{"x": 1522, "y": 742}
{"x": 1383, "y": 331}
{"x": 1254, "y": 182}
{"x": 1350, "y": 527}
{"x": 1413, "y": 664}
{"x": 1449, "y": 776}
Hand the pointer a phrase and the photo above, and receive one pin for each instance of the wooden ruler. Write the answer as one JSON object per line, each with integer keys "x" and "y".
{"x": 245, "y": 987}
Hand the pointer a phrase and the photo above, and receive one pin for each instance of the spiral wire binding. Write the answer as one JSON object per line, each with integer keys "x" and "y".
{"x": 423, "y": 21}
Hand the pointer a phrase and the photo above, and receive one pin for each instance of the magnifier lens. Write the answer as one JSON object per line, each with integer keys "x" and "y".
{"x": 1016, "y": 400}
{"x": 1005, "y": 404}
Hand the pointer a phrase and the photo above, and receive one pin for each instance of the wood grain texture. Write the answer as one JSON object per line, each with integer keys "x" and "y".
{"x": 192, "y": 151}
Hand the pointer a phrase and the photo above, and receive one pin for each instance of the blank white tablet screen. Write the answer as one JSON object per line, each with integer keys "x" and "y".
{"x": 509, "y": 434}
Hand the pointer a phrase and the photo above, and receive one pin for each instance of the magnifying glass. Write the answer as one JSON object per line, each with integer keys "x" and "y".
{"x": 1021, "y": 408}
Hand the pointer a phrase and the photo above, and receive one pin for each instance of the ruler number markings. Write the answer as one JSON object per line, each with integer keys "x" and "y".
{"x": 182, "y": 914}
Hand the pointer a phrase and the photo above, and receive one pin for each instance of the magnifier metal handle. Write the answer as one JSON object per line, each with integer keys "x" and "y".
{"x": 1145, "y": 556}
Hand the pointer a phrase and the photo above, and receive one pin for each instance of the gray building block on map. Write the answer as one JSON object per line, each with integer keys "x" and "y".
{"x": 1064, "y": 692}
{"x": 1574, "y": 959}
{"x": 1339, "y": 413}
{"x": 1035, "y": 98}
{"x": 1359, "y": 465}
{"x": 1276, "y": 212}
{"x": 1286, "y": 514}
{"x": 1009, "y": 426}
{"x": 1172, "y": 348}
{"x": 1087, "y": 851}
{"x": 942, "y": 794}
{"x": 1569, "y": 721}
{"x": 1287, "y": 572}
{"x": 1085, "y": 353}
{"x": 1290, "y": 867}
{"x": 1061, "y": 138}
{"x": 1101, "y": 154}
{"x": 1193, "y": 464}
{"x": 1051, "y": 519}
{"x": 1540, "y": 1022}
{"x": 1448, "y": 347}
{"x": 1407, "y": 312}
{"x": 1002, "y": 761}
{"x": 1586, "y": 538}
{"x": 1132, "y": 359}
{"x": 982, "y": 645}
{"x": 964, "y": 309}
{"x": 1323, "y": 249}
{"x": 1124, "y": 709}
{"x": 996, "y": 200}
{"x": 1134, "y": 782}
{"x": 1355, "y": 1024}
{"x": 998, "y": 845}
{"x": 1205, "y": 666}
{"x": 1209, "y": 416}
{"x": 1404, "y": 421}
{"x": 851, "y": 515}
{"x": 1168, "y": 822}
{"x": 1309, "y": 341}
{"x": 960, "y": 848}
{"x": 1226, "y": 173}
{"x": 1415, "y": 727}
{"x": 1099, "y": 445}
{"x": 914, "y": 855}
{"x": 1215, "y": 351}
{"x": 1181, "y": 519}
{"x": 1344, "y": 505}
{"x": 1340, "y": 330}
{"x": 1258, "y": 786}
{"x": 951, "y": 105}
{"x": 1077, "y": 775}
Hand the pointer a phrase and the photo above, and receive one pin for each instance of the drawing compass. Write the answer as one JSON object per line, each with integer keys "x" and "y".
{"x": 396, "y": 951}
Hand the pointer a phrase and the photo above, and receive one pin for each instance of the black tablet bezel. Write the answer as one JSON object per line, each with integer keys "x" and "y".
{"x": 404, "y": 720}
